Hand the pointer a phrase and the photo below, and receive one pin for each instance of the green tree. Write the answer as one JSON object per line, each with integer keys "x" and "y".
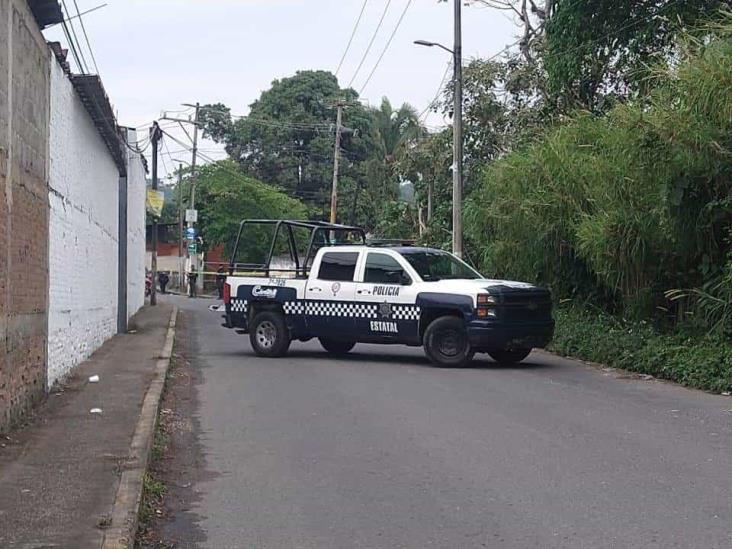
{"x": 597, "y": 50}
{"x": 225, "y": 196}
{"x": 623, "y": 207}
{"x": 287, "y": 137}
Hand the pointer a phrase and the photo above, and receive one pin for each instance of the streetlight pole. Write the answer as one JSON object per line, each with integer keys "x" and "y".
{"x": 156, "y": 135}
{"x": 457, "y": 129}
{"x": 457, "y": 137}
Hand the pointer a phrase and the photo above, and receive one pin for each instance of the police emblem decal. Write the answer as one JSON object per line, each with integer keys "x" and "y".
{"x": 335, "y": 288}
{"x": 385, "y": 310}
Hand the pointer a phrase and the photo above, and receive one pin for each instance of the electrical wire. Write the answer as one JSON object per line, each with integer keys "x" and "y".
{"x": 353, "y": 34}
{"x": 86, "y": 36}
{"x": 432, "y": 103}
{"x": 85, "y": 68}
{"x": 371, "y": 43}
{"x": 386, "y": 48}
{"x": 72, "y": 46}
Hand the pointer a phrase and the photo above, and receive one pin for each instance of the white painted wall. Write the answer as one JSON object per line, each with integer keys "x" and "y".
{"x": 83, "y": 228}
{"x": 136, "y": 188}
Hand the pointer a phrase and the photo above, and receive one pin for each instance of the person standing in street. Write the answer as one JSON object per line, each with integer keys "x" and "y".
{"x": 163, "y": 280}
{"x": 220, "y": 280}
{"x": 192, "y": 277}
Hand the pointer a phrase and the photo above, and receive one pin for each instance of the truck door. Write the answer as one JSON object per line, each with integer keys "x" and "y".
{"x": 387, "y": 287}
{"x": 330, "y": 306}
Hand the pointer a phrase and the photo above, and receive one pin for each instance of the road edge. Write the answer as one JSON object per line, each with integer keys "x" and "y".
{"x": 123, "y": 527}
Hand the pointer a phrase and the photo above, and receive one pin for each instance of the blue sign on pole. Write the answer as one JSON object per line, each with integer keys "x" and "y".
{"x": 190, "y": 233}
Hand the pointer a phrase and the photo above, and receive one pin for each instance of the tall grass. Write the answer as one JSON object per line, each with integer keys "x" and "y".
{"x": 622, "y": 208}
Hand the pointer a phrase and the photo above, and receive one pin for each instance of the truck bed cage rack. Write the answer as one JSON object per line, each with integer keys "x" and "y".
{"x": 287, "y": 225}
{"x": 389, "y": 242}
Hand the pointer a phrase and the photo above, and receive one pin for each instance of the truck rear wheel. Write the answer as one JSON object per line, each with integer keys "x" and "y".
{"x": 508, "y": 357}
{"x": 446, "y": 342}
{"x": 269, "y": 335}
{"x": 335, "y": 346}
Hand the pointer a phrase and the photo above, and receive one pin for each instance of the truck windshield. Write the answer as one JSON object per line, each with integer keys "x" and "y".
{"x": 435, "y": 265}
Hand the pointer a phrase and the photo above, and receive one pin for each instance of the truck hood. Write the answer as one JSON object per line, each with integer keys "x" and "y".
{"x": 474, "y": 286}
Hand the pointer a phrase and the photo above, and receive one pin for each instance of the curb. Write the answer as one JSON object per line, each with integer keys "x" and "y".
{"x": 121, "y": 533}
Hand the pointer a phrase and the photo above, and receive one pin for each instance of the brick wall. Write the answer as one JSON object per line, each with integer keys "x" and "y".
{"x": 83, "y": 232}
{"x": 24, "y": 114}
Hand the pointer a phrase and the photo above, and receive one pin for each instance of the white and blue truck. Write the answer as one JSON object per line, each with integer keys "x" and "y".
{"x": 321, "y": 280}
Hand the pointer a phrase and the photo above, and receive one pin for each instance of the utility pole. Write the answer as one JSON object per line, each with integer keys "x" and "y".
{"x": 457, "y": 169}
{"x": 193, "y": 257}
{"x": 194, "y": 140}
{"x": 155, "y": 135}
{"x": 180, "y": 227}
{"x": 334, "y": 191}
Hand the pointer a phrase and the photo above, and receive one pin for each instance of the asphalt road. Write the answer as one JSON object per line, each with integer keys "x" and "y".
{"x": 382, "y": 450}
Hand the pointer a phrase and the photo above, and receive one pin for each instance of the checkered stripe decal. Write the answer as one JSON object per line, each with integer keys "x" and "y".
{"x": 405, "y": 312}
{"x": 294, "y": 307}
{"x": 238, "y": 305}
{"x": 350, "y": 310}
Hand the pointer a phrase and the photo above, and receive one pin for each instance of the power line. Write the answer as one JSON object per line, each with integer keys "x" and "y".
{"x": 386, "y": 48}
{"x": 85, "y": 68}
{"x": 447, "y": 70}
{"x": 353, "y": 33}
{"x": 371, "y": 43}
{"x": 86, "y": 36}
{"x": 437, "y": 94}
{"x": 72, "y": 46}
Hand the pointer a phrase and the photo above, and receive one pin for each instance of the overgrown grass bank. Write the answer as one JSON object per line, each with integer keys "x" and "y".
{"x": 701, "y": 362}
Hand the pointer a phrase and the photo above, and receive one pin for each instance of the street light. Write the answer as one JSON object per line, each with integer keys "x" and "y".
{"x": 432, "y": 44}
{"x": 457, "y": 132}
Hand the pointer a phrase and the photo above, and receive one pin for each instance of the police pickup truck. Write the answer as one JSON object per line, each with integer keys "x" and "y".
{"x": 343, "y": 291}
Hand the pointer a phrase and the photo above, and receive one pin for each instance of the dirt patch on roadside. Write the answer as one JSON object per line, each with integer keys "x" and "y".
{"x": 177, "y": 461}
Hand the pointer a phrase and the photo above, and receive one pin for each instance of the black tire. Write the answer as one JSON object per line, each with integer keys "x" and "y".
{"x": 509, "y": 357}
{"x": 446, "y": 342}
{"x": 269, "y": 335}
{"x": 335, "y": 346}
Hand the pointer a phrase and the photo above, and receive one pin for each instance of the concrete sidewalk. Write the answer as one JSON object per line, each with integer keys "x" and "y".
{"x": 59, "y": 476}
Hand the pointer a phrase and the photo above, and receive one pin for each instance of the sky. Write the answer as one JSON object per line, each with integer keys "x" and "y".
{"x": 154, "y": 55}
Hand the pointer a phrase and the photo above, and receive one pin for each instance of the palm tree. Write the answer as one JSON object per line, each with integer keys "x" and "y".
{"x": 394, "y": 130}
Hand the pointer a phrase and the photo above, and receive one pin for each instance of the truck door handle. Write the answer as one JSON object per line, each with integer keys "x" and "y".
{"x": 315, "y": 289}
{"x": 361, "y": 292}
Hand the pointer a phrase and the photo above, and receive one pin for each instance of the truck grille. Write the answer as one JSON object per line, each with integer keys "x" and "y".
{"x": 525, "y": 306}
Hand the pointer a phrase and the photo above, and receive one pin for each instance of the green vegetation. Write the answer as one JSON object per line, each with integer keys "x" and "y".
{"x": 225, "y": 195}
{"x": 287, "y": 140}
{"x": 621, "y": 209}
{"x": 628, "y": 214}
{"x": 702, "y": 362}
{"x": 152, "y": 495}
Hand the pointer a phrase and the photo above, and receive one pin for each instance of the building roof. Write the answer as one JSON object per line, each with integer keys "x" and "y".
{"x": 46, "y": 12}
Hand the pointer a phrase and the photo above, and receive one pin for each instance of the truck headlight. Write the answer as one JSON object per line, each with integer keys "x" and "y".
{"x": 486, "y": 306}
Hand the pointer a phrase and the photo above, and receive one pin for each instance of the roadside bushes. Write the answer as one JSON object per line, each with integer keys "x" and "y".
{"x": 623, "y": 208}
{"x": 699, "y": 362}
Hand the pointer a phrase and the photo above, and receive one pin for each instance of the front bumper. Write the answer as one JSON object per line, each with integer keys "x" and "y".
{"x": 485, "y": 335}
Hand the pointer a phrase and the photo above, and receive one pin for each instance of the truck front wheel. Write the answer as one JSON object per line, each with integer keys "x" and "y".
{"x": 504, "y": 356}
{"x": 269, "y": 335}
{"x": 446, "y": 342}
